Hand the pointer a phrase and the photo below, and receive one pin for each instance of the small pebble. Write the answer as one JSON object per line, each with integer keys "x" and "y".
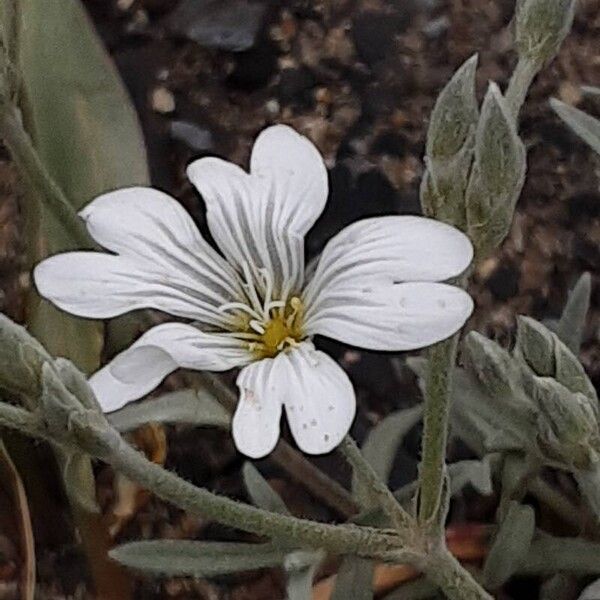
{"x": 163, "y": 100}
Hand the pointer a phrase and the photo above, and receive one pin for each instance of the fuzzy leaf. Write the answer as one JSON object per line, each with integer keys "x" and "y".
{"x": 510, "y": 546}
{"x": 261, "y": 493}
{"x": 354, "y": 580}
{"x": 301, "y": 567}
{"x": 87, "y": 135}
{"x": 541, "y": 27}
{"x": 194, "y": 407}
{"x": 498, "y": 174}
{"x": 572, "y": 321}
{"x": 382, "y": 443}
{"x": 584, "y": 125}
{"x": 549, "y": 555}
{"x": 171, "y": 558}
{"x": 79, "y": 481}
{"x": 455, "y": 114}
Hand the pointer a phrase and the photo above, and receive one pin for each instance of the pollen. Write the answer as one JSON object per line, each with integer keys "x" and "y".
{"x": 282, "y": 331}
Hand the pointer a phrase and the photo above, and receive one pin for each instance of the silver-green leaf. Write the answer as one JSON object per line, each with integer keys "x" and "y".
{"x": 196, "y": 559}
{"x": 194, "y": 407}
{"x": 510, "y": 546}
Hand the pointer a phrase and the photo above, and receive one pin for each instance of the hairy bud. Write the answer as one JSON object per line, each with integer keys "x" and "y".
{"x": 568, "y": 431}
{"x": 541, "y": 27}
{"x": 546, "y": 355}
{"x": 493, "y": 366}
{"x": 449, "y": 148}
{"x": 498, "y": 174}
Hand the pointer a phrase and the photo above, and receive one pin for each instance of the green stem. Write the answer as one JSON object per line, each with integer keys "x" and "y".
{"x": 339, "y": 539}
{"x": 291, "y": 461}
{"x": 22, "y": 420}
{"x": 520, "y": 82}
{"x": 440, "y": 366}
{"x": 25, "y": 156}
{"x": 455, "y": 581}
{"x": 371, "y": 481}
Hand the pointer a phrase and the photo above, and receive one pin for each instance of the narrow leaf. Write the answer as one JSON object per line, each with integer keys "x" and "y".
{"x": 584, "y": 125}
{"x": 549, "y": 555}
{"x": 261, "y": 493}
{"x": 194, "y": 407}
{"x": 196, "y": 559}
{"x": 510, "y": 546}
{"x": 79, "y": 481}
{"x": 354, "y": 580}
{"x": 301, "y": 567}
{"x": 381, "y": 445}
{"x": 572, "y": 322}
{"x": 87, "y": 136}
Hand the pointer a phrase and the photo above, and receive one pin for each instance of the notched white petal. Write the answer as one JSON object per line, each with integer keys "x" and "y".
{"x": 261, "y": 218}
{"x": 160, "y": 351}
{"x": 395, "y": 318}
{"x": 255, "y": 424}
{"x": 293, "y": 172}
{"x": 386, "y": 250}
{"x": 319, "y": 399}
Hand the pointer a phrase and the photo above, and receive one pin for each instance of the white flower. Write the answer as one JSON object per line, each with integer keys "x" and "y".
{"x": 255, "y": 305}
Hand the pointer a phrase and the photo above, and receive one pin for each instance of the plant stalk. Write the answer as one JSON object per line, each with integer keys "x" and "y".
{"x": 456, "y": 582}
{"x": 369, "y": 478}
{"x": 41, "y": 183}
{"x": 298, "y": 467}
{"x": 339, "y": 539}
{"x": 440, "y": 366}
{"x": 520, "y": 82}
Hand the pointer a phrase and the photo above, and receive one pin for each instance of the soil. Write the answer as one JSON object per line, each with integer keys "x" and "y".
{"x": 359, "y": 77}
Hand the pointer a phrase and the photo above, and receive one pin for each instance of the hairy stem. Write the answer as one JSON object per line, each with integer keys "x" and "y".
{"x": 371, "y": 481}
{"x": 440, "y": 367}
{"x": 339, "y": 539}
{"x": 520, "y": 82}
{"x": 291, "y": 461}
{"x": 31, "y": 167}
{"x": 454, "y": 580}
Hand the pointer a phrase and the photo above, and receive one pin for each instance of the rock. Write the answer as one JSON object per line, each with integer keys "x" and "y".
{"x": 504, "y": 282}
{"x": 224, "y": 24}
{"x": 162, "y": 100}
{"x": 373, "y": 31}
{"x": 295, "y": 87}
{"x": 195, "y": 137}
{"x": 253, "y": 69}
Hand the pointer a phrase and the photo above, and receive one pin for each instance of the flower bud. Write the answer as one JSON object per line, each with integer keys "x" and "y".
{"x": 454, "y": 116}
{"x": 568, "y": 430}
{"x": 493, "y": 366}
{"x": 449, "y": 148}
{"x": 498, "y": 174}
{"x": 541, "y": 27}
{"x": 535, "y": 346}
{"x": 547, "y": 356}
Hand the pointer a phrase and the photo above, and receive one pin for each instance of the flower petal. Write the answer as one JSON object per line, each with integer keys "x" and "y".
{"x": 160, "y": 351}
{"x": 292, "y": 170}
{"x": 386, "y": 250}
{"x": 261, "y": 218}
{"x": 99, "y": 286}
{"x": 151, "y": 228}
{"x": 398, "y": 317}
{"x": 319, "y": 399}
{"x": 255, "y": 425}
{"x": 317, "y": 394}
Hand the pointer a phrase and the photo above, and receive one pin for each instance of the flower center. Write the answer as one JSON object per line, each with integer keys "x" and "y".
{"x": 268, "y": 326}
